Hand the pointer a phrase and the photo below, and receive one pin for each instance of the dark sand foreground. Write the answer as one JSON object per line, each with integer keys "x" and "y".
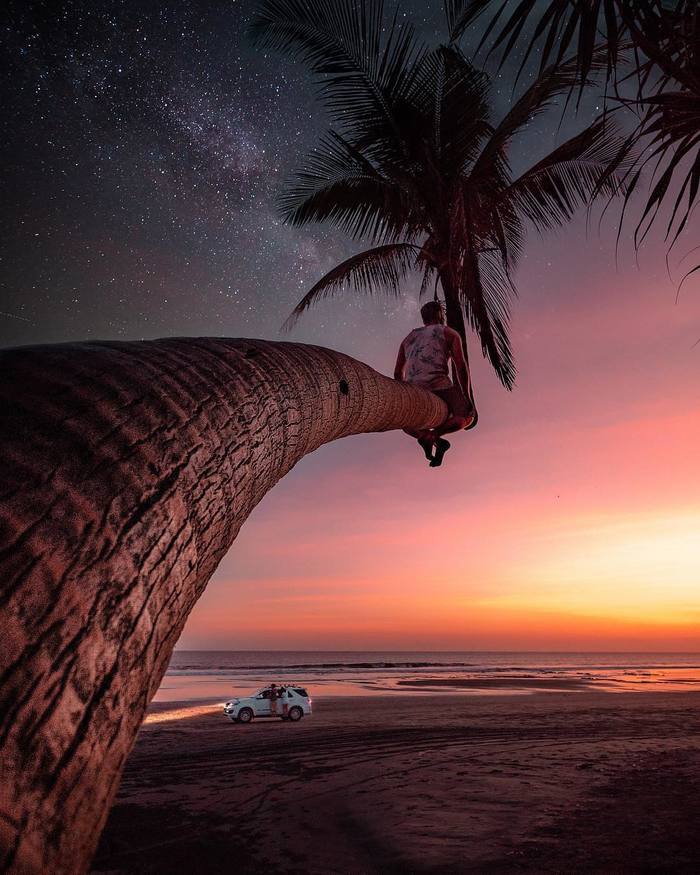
{"x": 554, "y": 782}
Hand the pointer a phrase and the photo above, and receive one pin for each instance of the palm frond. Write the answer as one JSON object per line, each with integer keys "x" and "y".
{"x": 339, "y": 184}
{"x": 562, "y": 27}
{"x": 582, "y": 27}
{"x": 665, "y": 36}
{"x": 382, "y": 268}
{"x": 461, "y": 115}
{"x": 504, "y": 232}
{"x": 487, "y": 290}
{"x": 667, "y": 32}
{"x": 429, "y": 281}
{"x": 669, "y": 157}
{"x": 673, "y": 122}
{"x": 365, "y": 68}
{"x": 460, "y": 14}
{"x": 669, "y": 131}
{"x": 571, "y": 176}
{"x": 425, "y": 261}
{"x": 552, "y": 83}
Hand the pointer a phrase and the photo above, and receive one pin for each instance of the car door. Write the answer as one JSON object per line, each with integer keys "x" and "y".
{"x": 262, "y": 704}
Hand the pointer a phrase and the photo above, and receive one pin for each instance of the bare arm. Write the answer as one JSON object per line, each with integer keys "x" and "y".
{"x": 400, "y": 364}
{"x": 461, "y": 369}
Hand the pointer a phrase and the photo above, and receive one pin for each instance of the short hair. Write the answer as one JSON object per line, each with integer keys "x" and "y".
{"x": 431, "y": 310}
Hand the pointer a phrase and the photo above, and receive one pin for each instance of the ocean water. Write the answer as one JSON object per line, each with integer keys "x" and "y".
{"x": 219, "y": 674}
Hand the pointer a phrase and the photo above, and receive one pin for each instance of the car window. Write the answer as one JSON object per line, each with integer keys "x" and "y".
{"x": 301, "y": 692}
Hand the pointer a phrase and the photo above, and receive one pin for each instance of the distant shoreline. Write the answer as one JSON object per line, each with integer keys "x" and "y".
{"x": 220, "y": 675}
{"x": 496, "y": 689}
{"x": 514, "y": 683}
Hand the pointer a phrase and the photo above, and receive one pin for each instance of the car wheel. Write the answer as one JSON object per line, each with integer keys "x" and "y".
{"x": 245, "y": 715}
{"x": 295, "y": 714}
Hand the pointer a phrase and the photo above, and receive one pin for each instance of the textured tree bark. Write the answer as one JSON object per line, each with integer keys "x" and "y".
{"x": 126, "y": 471}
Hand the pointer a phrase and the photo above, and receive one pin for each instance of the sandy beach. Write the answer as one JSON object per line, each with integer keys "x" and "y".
{"x": 544, "y": 783}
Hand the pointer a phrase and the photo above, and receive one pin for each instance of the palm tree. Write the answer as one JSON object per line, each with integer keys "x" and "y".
{"x": 126, "y": 471}
{"x": 415, "y": 163}
{"x": 661, "y": 40}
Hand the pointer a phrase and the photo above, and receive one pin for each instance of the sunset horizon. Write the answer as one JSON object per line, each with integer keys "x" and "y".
{"x": 569, "y": 514}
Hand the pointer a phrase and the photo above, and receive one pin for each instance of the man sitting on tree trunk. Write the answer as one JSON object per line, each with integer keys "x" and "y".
{"x": 424, "y": 359}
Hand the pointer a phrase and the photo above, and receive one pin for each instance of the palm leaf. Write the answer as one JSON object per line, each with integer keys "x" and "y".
{"x": 364, "y": 67}
{"x": 460, "y": 14}
{"x": 459, "y": 110}
{"x": 582, "y": 27}
{"x": 663, "y": 184}
{"x": 341, "y": 185}
{"x": 380, "y": 268}
{"x": 571, "y": 176}
{"x": 552, "y": 83}
{"x": 563, "y": 26}
{"x": 670, "y": 130}
{"x": 504, "y": 232}
{"x": 486, "y": 293}
{"x": 665, "y": 35}
{"x": 673, "y": 121}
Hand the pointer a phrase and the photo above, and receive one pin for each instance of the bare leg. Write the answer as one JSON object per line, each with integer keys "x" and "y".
{"x": 426, "y": 439}
{"x": 430, "y": 438}
{"x": 452, "y": 423}
{"x": 419, "y": 435}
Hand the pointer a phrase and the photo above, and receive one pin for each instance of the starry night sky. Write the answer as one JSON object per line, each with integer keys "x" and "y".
{"x": 145, "y": 146}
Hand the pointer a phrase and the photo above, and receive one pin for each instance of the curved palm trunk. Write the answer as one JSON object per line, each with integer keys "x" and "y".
{"x": 126, "y": 471}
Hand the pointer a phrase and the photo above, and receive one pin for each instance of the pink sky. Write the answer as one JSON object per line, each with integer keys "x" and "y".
{"x": 569, "y": 519}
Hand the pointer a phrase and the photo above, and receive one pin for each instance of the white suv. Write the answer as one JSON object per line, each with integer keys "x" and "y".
{"x": 287, "y": 702}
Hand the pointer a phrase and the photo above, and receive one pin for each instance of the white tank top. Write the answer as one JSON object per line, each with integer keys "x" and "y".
{"x": 427, "y": 357}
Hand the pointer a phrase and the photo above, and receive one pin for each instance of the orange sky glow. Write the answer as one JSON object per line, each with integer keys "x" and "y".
{"x": 569, "y": 519}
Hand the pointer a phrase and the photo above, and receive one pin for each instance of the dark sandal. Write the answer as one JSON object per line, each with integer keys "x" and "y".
{"x": 427, "y": 448}
{"x": 441, "y": 447}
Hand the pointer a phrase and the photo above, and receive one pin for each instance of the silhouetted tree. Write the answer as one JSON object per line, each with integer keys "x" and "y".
{"x": 416, "y": 164}
{"x": 652, "y": 50}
